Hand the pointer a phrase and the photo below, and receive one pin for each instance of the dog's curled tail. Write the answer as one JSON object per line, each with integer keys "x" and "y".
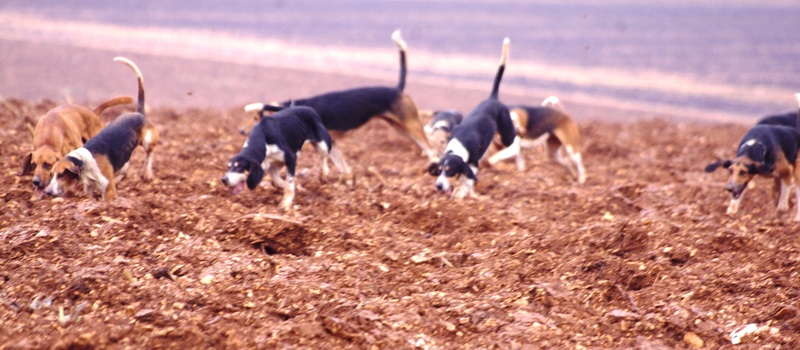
{"x": 129, "y": 63}
{"x": 401, "y": 44}
{"x": 119, "y": 100}
{"x": 501, "y": 69}
{"x": 553, "y": 102}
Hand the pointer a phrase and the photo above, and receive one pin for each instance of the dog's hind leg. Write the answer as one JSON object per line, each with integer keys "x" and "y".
{"x": 149, "y": 142}
{"x": 288, "y": 193}
{"x": 511, "y": 151}
{"x": 577, "y": 161}
{"x": 322, "y": 151}
{"x": 338, "y": 161}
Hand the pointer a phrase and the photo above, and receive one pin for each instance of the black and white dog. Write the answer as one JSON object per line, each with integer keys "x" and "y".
{"x": 276, "y": 142}
{"x": 347, "y": 110}
{"x": 470, "y": 139}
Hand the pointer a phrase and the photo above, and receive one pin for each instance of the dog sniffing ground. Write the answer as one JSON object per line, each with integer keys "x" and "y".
{"x": 642, "y": 255}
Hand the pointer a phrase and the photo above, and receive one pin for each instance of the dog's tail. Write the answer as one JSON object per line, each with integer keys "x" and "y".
{"x": 263, "y": 107}
{"x": 401, "y": 44}
{"x": 129, "y": 63}
{"x": 797, "y": 120}
{"x": 119, "y": 100}
{"x": 501, "y": 69}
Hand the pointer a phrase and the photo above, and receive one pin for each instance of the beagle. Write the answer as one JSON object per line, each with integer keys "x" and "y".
{"x": 439, "y": 128}
{"x": 550, "y": 126}
{"x": 106, "y": 155}
{"x": 470, "y": 139}
{"x": 769, "y": 151}
{"x": 60, "y": 130}
{"x": 276, "y": 142}
{"x": 347, "y": 110}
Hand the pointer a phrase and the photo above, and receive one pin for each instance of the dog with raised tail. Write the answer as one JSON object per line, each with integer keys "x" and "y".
{"x": 59, "y": 131}
{"x": 274, "y": 143}
{"x": 347, "y": 110}
{"x": 104, "y": 159}
{"x": 548, "y": 125}
{"x": 767, "y": 150}
{"x": 470, "y": 139}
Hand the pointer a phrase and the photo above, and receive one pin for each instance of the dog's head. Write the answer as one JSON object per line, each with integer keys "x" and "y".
{"x": 39, "y": 163}
{"x": 742, "y": 170}
{"x": 257, "y": 111}
{"x": 440, "y": 127}
{"x": 450, "y": 166}
{"x": 65, "y": 173}
{"x": 242, "y": 171}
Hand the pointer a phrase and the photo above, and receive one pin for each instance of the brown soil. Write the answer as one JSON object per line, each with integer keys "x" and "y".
{"x": 641, "y": 256}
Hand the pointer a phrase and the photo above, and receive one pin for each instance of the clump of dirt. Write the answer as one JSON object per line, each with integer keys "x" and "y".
{"x": 642, "y": 255}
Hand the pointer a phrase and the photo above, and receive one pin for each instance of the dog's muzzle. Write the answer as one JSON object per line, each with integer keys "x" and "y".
{"x": 735, "y": 190}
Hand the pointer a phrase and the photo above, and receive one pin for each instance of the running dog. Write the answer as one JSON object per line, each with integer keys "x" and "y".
{"x": 273, "y": 143}
{"x": 550, "y": 126}
{"x": 470, "y": 139}
{"x": 347, "y": 110}
{"x": 59, "y": 131}
{"x": 439, "y": 128}
{"x": 769, "y": 151}
{"x": 107, "y": 154}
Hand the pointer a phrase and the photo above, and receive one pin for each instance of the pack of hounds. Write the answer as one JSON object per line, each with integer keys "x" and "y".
{"x": 71, "y": 146}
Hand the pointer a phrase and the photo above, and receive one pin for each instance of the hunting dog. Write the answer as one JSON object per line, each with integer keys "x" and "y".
{"x": 546, "y": 125}
{"x": 59, "y": 131}
{"x": 347, "y": 110}
{"x": 470, "y": 139}
{"x": 107, "y": 154}
{"x": 273, "y": 143}
{"x": 440, "y": 126}
{"x": 770, "y": 151}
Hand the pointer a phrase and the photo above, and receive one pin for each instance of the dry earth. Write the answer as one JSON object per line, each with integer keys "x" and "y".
{"x": 641, "y": 256}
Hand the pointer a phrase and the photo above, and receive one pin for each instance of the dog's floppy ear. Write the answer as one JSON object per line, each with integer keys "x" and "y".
{"x": 76, "y": 165}
{"x": 435, "y": 169}
{"x": 713, "y": 166}
{"x": 468, "y": 172}
{"x": 27, "y": 166}
{"x": 255, "y": 176}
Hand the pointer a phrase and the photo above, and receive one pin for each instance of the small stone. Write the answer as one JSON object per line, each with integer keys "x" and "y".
{"x": 207, "y": 280}
{"x": 693, "y": 339}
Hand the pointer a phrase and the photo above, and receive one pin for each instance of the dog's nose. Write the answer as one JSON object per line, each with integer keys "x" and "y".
{"x": 439, "y": 186}
{"x": 37, "y": 181}
{"x": 225, "y": 180}
{"x": 729, "y": 187}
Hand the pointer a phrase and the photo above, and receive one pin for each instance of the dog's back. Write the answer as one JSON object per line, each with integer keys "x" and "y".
{"x": 541, "y": 119}
{"x": 786, "y": 119}
{"x": 118, "y": 139}
{"x": 349, "y": 109}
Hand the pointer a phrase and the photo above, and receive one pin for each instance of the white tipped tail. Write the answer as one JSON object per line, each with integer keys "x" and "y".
{"x": 139, "y": 79}
{"x": 551, "y": 101}
{"x": 504, "y": 56}
{"x": 399, "y": 40}
{"x": 254, "y": 107}
{"x": 797, "y": 96}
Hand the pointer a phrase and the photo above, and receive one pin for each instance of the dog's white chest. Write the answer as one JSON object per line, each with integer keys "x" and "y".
{"x": 274, "y": 155}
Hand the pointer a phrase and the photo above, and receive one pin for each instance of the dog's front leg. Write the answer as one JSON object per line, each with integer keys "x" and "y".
{"x": 783, "y": 197}
{"x": 274, "y": 174}
{"x": 288, "y": 193}
{"x": 733, "y": 207}
{"x": 511, "y": 151}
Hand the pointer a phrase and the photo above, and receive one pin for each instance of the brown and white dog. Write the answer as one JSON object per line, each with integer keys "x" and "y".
{"x": 347, "y": 110}
{"x": 550, "y": 126}
{"x": 59, "y": 131}
{"x": 106, "y": 155}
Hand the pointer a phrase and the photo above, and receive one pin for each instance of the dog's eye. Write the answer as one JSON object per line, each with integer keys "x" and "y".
{"x": 742, "y": 172}
{"x": 47, "y": 166}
